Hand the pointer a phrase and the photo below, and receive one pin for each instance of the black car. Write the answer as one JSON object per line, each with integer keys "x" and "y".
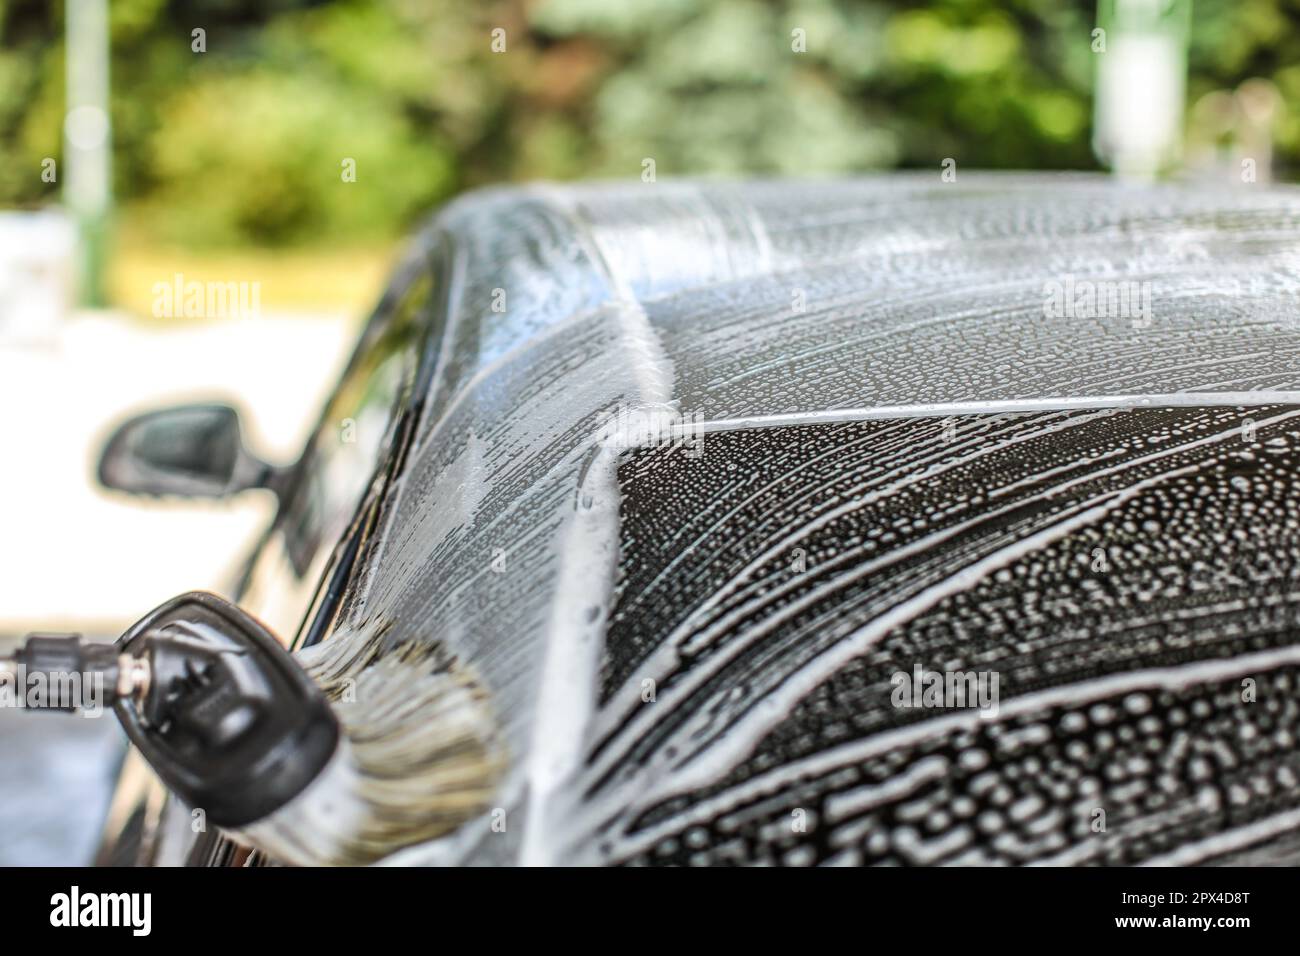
{"x": 889, "y": 521}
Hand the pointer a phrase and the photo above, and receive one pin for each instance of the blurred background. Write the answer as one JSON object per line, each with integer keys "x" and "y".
{"x": 287, "y": 147}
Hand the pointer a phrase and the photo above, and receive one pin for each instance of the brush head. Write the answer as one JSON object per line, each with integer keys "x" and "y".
{"x": 229, "y": 721}
{"x": 417, "y": 757}
{"x": 343, "y": 754}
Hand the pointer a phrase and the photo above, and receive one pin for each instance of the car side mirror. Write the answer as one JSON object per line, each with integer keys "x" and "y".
{"x": 192, "y": 451}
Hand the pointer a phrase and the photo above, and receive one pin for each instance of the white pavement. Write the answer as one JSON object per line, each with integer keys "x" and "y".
{"x": 73, "y": 556}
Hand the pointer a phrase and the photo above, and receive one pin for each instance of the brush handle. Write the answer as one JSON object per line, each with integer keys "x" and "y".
{"x": 60, "y": 672}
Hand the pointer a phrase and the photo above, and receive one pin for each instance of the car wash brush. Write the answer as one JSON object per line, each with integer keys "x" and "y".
{"x": 339, "y": 755}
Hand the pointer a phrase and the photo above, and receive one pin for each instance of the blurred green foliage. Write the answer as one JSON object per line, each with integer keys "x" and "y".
{"x": 244, "y": 143}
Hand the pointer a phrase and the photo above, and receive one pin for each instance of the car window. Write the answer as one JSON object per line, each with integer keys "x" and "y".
{"x": 341, "y": 456}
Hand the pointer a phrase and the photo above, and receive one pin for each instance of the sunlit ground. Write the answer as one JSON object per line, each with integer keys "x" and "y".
{"x": 77, "y": 557}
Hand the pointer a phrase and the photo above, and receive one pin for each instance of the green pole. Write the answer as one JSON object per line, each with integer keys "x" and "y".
{"x": 87, "y": 142}
{"x": 1140, "y": 47}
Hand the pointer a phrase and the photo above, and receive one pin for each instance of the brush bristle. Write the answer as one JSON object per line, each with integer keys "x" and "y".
{"x": 418, "y": 755}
